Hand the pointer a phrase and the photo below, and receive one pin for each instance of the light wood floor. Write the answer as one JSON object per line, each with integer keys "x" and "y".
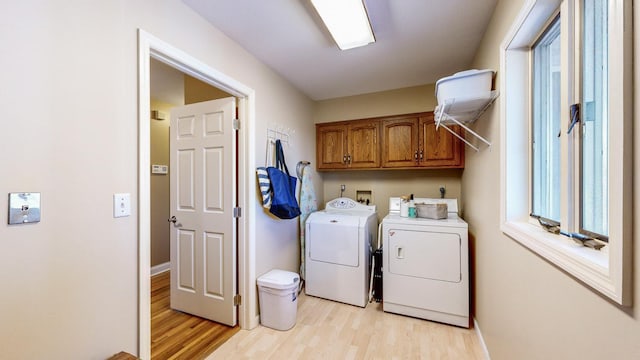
{"x": 330, "y": 330}
{"x": 176, "y": 335}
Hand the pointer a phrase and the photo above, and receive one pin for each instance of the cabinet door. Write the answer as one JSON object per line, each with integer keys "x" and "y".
{"x": 331, "y": 142}
{"x": 362, "y": 139}
{"x": 400, "y": 142}
{"x": 439, "y": 148}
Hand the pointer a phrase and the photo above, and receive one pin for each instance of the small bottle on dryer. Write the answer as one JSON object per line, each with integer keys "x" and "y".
{"x": 412, "y": 207}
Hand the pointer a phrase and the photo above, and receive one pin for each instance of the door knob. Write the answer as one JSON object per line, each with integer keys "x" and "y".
{"x": 172, "y": 219}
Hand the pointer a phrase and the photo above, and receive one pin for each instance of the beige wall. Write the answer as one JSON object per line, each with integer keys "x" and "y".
{"x": 197, "y": 91}
{"x": 70, "y": 282}
{"x": 160, "y": 210}
{"x": 393, "y": 102}
{"x": 385, "y": 183}
{"x": 526, "y": 307}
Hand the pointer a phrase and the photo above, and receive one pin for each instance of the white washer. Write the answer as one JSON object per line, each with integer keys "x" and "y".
{"x": 338, "y": 244}
{"x": 426, "y": 265}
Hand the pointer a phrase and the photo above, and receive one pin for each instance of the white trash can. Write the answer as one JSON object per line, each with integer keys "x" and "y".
{"x": 278, "y": 295}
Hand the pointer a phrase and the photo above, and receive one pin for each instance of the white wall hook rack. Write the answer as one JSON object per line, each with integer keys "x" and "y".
{"x": 461, "y": 111}
{"x": 277, "y": 132}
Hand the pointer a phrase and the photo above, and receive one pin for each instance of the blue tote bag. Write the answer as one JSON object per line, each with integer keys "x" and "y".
{"x": 283, "y": 186}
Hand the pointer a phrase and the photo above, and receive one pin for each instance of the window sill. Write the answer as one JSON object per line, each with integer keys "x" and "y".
{"x": 586, "y": 264}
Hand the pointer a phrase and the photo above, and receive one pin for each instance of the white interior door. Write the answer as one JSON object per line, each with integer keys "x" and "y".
{"x": 203, "y": 228}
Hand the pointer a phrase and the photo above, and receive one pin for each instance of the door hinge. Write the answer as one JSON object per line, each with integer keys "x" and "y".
{"x": 237, "y": 300}
{"x": 237, "y": 212}
{"x": 236, "y": 124}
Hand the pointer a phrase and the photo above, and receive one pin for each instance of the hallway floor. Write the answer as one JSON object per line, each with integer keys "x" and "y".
{"x": 177, "y": 335}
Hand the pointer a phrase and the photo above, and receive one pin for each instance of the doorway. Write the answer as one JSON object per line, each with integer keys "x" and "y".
{"x": 151, "y": 47}
{"x": 191, "y": 317}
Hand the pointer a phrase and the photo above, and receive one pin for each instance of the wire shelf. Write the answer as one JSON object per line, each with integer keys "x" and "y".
{"x": 461, "y": 111}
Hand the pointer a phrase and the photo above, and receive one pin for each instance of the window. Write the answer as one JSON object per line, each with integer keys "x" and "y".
{"x": 545, "y": 189}
{"x": 546, "y": 128}
{"x": 566, "y": 57}
{"x": 594, "y": 144}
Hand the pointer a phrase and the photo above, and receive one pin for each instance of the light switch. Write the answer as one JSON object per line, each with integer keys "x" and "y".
{"x": 121, "y": 205}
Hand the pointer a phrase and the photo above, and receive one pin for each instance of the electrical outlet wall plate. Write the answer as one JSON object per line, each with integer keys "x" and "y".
{"x": 24, "y": 208}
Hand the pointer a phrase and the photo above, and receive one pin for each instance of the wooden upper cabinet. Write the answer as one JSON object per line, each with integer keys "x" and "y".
{"x": 348, "y": 145}
{"x": 331, "y": 146}
{"x": 405, "y": 141}
{"x": 363, "y": 150}
{"x": 439, "y": 148}
{"x": 400, "y": 142}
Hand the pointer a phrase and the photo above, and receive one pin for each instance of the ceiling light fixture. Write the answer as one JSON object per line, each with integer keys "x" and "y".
{"x": 347, "y": 22}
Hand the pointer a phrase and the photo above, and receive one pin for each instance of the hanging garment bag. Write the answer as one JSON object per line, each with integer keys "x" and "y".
{"x": 283, "y": 202}
{"x": 263, "y": 177}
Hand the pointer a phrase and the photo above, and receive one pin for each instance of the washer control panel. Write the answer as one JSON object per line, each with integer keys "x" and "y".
{"x": 341, "y": 203}
{"x": 347, "y": 204}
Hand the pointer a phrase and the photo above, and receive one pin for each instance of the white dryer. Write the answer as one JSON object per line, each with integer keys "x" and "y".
{"x": 338, "y": 243}
{"x": 426, "y": 265}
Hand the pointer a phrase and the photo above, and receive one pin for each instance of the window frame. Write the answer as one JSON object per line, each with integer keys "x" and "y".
{"x": 580, "y": 227}
{"x": 608, "y": 270}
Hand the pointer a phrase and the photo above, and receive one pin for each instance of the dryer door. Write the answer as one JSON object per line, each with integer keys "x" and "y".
{"x": 425, "y": 254}
{"x": 333, "y": 238}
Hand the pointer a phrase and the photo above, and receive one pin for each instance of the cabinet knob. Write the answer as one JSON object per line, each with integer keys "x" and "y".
{"x": 421, "y": 155}
{"x": 344, "y": 159}
{"x": 415, "y": 155}
{"x": 349, "y": 159}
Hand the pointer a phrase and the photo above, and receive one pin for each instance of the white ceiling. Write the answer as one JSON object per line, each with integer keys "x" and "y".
{"x": 417, "y": 42}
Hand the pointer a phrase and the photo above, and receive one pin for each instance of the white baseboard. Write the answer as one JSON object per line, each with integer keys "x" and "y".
{"x": 479, "y": 333}
{"x": 254, "y": 322}
{"x": 160, "y": 268}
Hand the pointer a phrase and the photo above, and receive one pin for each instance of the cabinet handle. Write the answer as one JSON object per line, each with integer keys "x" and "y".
{"x": 421, "y": 155}
{"x": 349, "y": 159}
{"x": 415, "y": 155}
{"x": 344, "y": 159}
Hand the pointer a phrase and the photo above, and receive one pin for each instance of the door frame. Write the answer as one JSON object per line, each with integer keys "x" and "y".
{"x": 151, "y": 47}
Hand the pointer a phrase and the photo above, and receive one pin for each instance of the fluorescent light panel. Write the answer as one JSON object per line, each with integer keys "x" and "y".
{"x": 347, "y": 22}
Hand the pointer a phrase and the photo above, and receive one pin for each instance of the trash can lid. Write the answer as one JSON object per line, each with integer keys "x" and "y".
{"x": 279, "y": 279}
